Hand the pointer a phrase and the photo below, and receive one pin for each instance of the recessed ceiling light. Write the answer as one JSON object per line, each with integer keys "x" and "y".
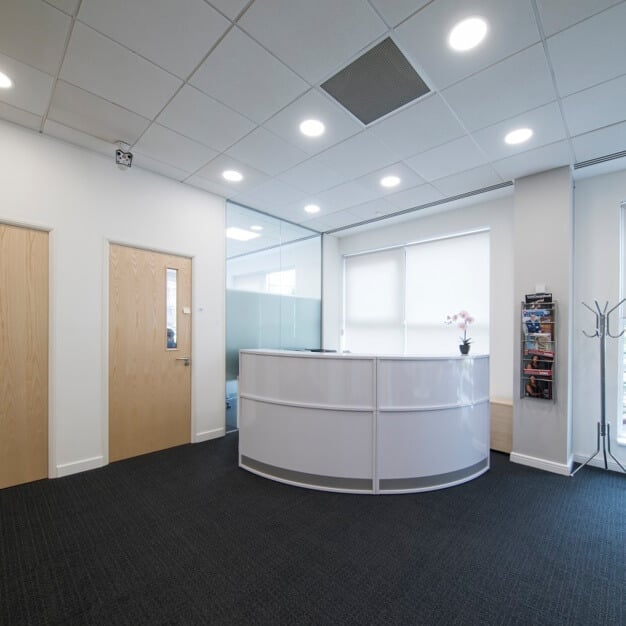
{"x": 232, "y": 175}
{"x": 240, "y": 234}
{"x": 389, "y": 181}
{"x": 256, "y": 227}
{"x": 312, "y": 208}
{"x": 312, "y": 128}
{"x": 5, "y": 81}
{"x": 520, "y": 135}
{"x": 467, "y": 34}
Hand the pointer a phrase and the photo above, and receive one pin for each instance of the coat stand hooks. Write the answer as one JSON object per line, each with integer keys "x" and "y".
{"x": 602, "y": 331}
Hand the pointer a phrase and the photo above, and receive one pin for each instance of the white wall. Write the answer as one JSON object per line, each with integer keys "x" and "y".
{"x": 86, "y": 202}
{"x": 543, "y": 256}
{"x": 596, "y": 277}
{"x": 495, "y": 215}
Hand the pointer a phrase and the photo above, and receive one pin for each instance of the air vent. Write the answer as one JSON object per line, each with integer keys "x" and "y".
{"x": 602, "y": 159}
{"x": 377, "y": 83}
{"x": 428, "y": 205}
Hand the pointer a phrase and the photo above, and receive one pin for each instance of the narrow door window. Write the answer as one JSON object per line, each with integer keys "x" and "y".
{"x": 171, "y": 307}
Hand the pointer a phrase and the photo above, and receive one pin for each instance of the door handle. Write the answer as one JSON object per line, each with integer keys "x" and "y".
{"x": 186, "y": 359}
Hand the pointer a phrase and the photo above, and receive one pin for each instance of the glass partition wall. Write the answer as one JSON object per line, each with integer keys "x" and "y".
{"x": 273, "y": 290}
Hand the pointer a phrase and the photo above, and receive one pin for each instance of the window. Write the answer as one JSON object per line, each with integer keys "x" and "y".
{"x": 396, "y": 301}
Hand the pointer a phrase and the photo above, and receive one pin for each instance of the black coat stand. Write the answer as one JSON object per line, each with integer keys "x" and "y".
{"x": 602, "y": 331}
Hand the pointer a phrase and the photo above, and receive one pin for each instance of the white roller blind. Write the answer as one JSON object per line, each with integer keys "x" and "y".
{"x": 420, "y": 283}
{"x": 444, "y": 277}
{"x": 374, "y": 302}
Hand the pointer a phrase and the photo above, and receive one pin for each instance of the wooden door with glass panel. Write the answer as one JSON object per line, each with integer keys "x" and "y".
{"x": 23, "y": 355}
{"x": 149, "y": 351}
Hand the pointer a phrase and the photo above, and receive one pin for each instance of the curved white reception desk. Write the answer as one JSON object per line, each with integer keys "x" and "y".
{"x": 363, "y": 424}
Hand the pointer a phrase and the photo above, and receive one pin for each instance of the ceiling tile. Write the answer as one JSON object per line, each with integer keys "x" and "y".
{"x": 31, "y": 88}
{"x": 67, "y": 6}
{"x": 591, "y": 52}
{"x": 358, "y": 155}
{"x": 110, "y": 71}
{"x": 395, "y": 12}
{"x": 423, "y": 125}
{"x": 330, "y": 221}
{"x": 46, "y": 30}
{"x": 455, "y": 156}
{"x": 199, "y": 117}
{"x": 247, "y": 78}
{"x": 372, "y": 209}
{"x": 169, "y": 147}
{"x": 423, "y": 38}
{"x": 174, "y": 35}
{"x": 213, "y": 172}
{"x": 266, "y": 152}
{"x": 312, "y": 176}
{"x": 599, "y": 106}
{"x": 19, "y": 116}
{"x": 556, "y": 15}
{"x": 79, "y": 138}
{"x": 418, "y": 196}
{"x": 159, "y": 167}
{"x": 210, "y": 186}
{"x": 230, "y": 8}
{"x": 291, "y": 29}
{"x": 408, "y": 178}
{"x": 521, "y": 82}
{"x": 470, "y": 180}
{"x": 270, "y": 195}
{"x": 83, "y": 111}
{"x": 545, "y": 121}
{"x": 534, "y": 161}
{"x": 601, "y": 142}
{"x": 344, "y": 196}
{"x": 339, "y": 124}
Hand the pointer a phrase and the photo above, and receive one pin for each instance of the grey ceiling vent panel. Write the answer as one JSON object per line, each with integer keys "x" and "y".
{"x": 377, "y": 83}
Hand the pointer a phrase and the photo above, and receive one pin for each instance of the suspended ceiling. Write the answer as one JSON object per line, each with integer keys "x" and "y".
{"x": 196, "y": 87}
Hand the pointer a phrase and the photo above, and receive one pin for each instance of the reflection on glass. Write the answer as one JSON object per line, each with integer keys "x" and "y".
{"x": 171, "y": 277}
{"x": 273, "y": 291}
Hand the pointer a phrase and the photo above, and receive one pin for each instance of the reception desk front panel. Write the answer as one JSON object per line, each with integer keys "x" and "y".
{"x": 363, "y": 424}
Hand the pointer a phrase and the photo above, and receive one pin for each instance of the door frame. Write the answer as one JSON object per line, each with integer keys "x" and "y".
{"x": 105, "y": 335}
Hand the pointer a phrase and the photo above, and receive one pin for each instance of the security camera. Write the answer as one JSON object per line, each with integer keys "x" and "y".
{"x": 123, "y": 157}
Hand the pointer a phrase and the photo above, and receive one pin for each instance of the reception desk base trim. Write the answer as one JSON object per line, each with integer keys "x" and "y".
{"x": 304, "y": 479}
{"x": 437, "y": 481}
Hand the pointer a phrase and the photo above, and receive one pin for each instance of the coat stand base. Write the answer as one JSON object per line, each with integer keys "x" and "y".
{"x": 604, "y": 433}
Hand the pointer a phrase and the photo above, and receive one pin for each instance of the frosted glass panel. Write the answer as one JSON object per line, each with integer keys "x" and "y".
{"x": 256, "y": 320}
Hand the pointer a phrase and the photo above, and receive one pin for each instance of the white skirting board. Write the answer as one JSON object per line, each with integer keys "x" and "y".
{"x": 205, "y": 435}
{"x": 66, "y": 469}
{"x": 83, "y": 465}
{"x": 543, "y": 464}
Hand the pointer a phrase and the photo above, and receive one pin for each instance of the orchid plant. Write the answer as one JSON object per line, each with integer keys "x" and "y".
{"x": 462, "y": 319}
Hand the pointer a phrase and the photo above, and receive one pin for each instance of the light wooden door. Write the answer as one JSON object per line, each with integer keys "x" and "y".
{"x": 23, "y": 355}
{"x": 149, "y": 382}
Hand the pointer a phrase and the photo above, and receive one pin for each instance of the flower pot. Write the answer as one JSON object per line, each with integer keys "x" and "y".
{"x": 464, "y": 348}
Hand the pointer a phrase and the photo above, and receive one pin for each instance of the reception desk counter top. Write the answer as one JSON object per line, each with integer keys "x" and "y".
{"x": 362, "y": 423}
